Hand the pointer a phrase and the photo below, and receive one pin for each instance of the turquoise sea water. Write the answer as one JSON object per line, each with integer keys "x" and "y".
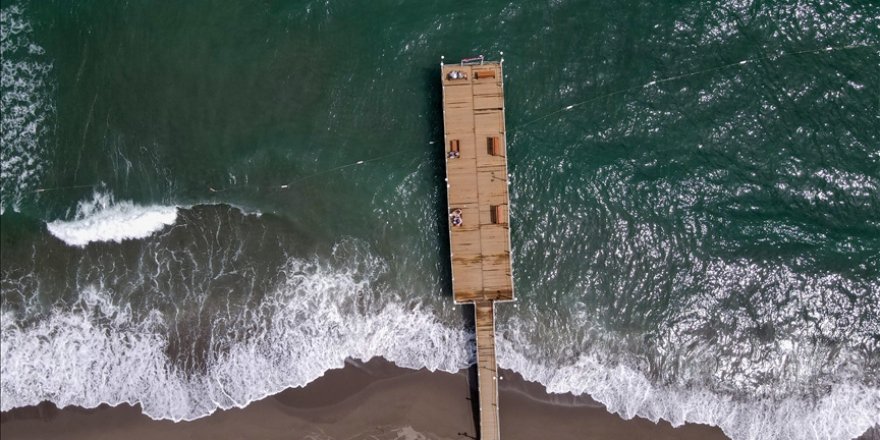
{"x": 207, "y": 203}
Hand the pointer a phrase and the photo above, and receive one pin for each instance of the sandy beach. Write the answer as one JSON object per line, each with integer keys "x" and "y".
{"x": 373, "y": 400}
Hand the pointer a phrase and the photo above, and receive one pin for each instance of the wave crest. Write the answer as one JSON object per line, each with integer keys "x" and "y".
{"x": 97, "y": 352}
{"x": 103, "y": 219}
{"x": 845, "y": 412}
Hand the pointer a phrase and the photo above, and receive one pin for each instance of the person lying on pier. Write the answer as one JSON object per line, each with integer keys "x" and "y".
{"x": 453, "y": 155}
{"x": 457, "y": 74}
{"x": 456, "y": 217}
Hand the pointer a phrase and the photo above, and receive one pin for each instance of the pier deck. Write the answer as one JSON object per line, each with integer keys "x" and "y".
{"x": 473, "y": 119}
{"x": 476, "y": 176}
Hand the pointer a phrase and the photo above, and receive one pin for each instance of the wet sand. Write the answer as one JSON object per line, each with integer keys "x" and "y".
{"x": 373, "y": 400}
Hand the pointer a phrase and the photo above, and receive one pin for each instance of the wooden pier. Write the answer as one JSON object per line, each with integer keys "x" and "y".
{"x": 477, "y": 195}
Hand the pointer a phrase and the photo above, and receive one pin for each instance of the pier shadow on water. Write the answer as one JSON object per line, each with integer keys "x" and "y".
{"x": 431, "y": 81}
{"x": 434, "y": 115}
{"x": 468, "y": 316}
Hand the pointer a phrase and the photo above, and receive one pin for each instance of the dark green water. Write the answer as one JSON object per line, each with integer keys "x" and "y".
{"x": 207, "y": 203}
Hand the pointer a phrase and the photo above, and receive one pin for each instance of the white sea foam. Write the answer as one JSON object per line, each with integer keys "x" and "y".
{"x": 104, "y": 219}
{"x": 844, "y": 413}
{"x": 25, "y": 97}
{"x": 100, "y": 353}
{"x": 97, "y": 352}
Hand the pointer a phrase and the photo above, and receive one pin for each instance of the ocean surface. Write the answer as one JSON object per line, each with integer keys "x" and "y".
{"x": 206, "y": 203}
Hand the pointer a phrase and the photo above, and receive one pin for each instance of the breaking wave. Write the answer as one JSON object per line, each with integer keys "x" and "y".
{"x": 845, "y": 412}
{"x": 104, "y": 219}
{"x": 100, "y": 352}
{"x": 97, "y": 348}
{"x": 25, "y": 97}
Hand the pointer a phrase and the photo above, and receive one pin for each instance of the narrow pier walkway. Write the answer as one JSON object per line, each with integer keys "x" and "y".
{"x": 487, "y": 370}
{"x": 479, "y": 225}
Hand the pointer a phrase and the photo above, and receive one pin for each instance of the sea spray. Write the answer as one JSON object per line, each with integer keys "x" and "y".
{"x": 103, "y": 219}
{"x": 100, "y": 351}
{"x": 845, "y": 411}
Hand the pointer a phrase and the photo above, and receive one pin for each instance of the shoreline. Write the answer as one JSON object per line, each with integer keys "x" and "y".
{"x": 375, "y": 400}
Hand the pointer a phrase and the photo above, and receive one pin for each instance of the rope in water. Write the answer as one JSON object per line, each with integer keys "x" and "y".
{"x": 313, "y": 175}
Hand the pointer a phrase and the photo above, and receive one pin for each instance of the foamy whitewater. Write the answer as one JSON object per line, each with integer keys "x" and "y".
{"x": 845, "y": 412}
{"x": 98, "y": 350}
{"x": 26, "y": 107}
{"x": 104, "y": 219}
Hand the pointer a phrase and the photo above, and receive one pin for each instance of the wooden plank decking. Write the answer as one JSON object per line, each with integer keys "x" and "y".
{"x": 473, "y": 118}
{"x": 487, "y": 370}
{"x": 476, "y": 177}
